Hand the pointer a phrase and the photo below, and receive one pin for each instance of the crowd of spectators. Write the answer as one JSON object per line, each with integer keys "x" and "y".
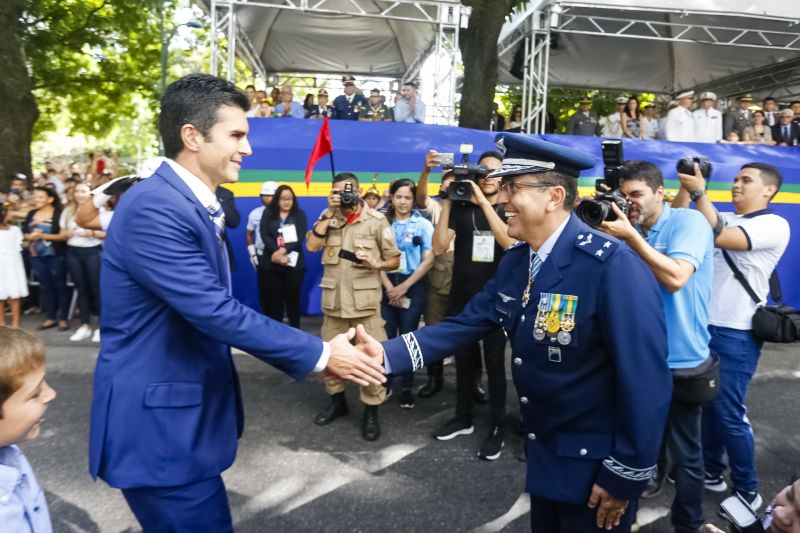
{"x": 54, "y": 264}
{"x": 406, "y": 106}
{"x": 691, "y": 118}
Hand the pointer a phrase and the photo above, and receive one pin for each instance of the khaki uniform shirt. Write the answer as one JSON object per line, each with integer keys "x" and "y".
{"x": 440, "y": 276}
{"x": 350, "y": 290}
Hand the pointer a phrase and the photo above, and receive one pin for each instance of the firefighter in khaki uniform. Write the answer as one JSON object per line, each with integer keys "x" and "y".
{"x": 351, "y": 289}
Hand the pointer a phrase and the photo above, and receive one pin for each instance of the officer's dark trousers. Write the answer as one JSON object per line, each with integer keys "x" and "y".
{"x": 548, "y": 516}
{"x": 195, "y": 508}
{"x": 684, "y": 443}
{"x": 468, "y": 363}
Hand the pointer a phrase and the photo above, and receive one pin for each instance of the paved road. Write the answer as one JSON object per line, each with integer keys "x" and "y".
{"x": 291, "y": 475}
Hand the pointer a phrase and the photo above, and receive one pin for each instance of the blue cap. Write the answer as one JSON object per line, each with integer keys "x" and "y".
{"x": 526, "y": 154}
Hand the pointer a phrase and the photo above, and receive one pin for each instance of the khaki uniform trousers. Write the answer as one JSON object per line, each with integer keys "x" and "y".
{"x": 332, "y": 326}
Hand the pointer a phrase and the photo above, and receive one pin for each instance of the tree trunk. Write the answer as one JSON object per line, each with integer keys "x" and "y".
{"x": 18, "y": 111}
{"x": 478, "y": 45}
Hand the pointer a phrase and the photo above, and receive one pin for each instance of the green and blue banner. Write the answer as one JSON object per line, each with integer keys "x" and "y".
{"x": 281, "y": 148}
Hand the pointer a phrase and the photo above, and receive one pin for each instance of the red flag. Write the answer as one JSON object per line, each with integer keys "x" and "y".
{"x": 322, "y": 147}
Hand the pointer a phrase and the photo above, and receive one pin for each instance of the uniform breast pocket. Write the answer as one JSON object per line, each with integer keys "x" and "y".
{"x": 333, "y": 243}
{"x": 367, "y": 293}
{"x": 365, "y": 243}
{"x": 328, "y": 286}
{"x": 505, "y": 314}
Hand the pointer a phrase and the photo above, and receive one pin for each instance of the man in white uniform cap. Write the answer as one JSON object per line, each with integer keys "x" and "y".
{"x": 707, "y": 120}
{"x": 680, "y": 126}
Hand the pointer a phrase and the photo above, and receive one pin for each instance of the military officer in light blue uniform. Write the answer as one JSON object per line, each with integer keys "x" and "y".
{"x": 584, "y": 317}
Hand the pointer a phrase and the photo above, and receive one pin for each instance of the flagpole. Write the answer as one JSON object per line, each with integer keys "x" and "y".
{"x": 333, "y": 172}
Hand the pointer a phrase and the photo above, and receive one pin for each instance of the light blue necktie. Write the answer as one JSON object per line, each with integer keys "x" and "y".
{"x": 533, "y": 269}
{"x": 218, "y": 218}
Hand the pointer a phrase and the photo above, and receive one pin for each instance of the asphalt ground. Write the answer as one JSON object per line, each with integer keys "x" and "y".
{"x": 291, "y": 475}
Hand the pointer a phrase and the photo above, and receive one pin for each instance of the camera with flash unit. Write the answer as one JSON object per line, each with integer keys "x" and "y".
{"x": 460, "y": 190}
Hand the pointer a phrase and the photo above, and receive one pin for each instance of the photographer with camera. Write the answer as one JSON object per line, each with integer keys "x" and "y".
{"x": 440, "y": 277}
{"x": 472, "y": 216}
{"x": 749, "y": 243}
{"x": 357, "y": 243}
{"x": 677, "y": 246}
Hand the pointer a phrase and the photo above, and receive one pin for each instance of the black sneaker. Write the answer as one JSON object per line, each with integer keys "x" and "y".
{"x": 406, "y": 399}
{"x": 453, "y": 428}
{"x": 493, "y": 444}
{"x": 715, "y": 483}
{"x": 753, "y": 499}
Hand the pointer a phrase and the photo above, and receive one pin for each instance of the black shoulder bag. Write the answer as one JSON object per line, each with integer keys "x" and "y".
{"x": 771, "y": 323}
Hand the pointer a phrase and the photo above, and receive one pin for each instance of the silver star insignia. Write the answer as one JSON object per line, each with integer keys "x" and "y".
{"x": 598, "y": 253}
{"x": 607, "y": 244}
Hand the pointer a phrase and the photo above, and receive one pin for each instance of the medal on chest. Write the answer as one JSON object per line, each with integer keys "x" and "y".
{"x": 555, "y": 318}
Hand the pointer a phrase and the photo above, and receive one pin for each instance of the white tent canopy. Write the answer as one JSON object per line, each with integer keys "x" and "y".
{"x": 664, "y": 46}
{"x": 376, "y": 38}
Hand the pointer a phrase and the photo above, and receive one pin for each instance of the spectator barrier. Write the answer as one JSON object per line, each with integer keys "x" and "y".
{"x": 395, "y": 150}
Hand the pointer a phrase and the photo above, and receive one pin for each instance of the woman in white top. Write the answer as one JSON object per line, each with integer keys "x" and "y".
{"x": 13, "y": 283}
{"x": 83, "y": 262}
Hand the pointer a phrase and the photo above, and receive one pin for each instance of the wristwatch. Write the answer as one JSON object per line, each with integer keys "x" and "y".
{"x": 695, "y": 195}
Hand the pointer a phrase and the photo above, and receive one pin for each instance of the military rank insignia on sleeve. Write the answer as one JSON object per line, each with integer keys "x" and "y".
{"x": 555, "y": 317}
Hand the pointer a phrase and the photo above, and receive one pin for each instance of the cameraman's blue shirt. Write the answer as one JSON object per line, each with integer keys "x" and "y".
{"x": 404, "y": 233}
{"x": 686, "y": 235}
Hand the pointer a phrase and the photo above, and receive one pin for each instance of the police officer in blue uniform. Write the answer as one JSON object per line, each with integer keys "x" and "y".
{"x": 584, "y": 317}
{"x": 347, "y": 106}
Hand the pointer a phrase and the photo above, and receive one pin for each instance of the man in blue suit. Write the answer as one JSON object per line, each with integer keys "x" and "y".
{"x": 167, "y": 409}
{"x": 586, "y": 325}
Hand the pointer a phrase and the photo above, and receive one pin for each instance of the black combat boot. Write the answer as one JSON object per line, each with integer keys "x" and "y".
{"x": 337, "y": 408}
{"x": 371, "y": 426}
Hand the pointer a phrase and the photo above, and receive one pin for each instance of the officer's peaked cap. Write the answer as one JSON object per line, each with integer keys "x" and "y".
{"x": 526, "y": 154}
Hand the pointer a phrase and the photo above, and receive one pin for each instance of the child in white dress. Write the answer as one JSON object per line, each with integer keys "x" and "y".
{"x": 13, "y": 283}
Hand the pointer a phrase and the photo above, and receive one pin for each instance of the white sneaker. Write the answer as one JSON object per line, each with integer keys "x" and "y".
{"x": 96, "y": 335}
{"x": 81, "y": 334}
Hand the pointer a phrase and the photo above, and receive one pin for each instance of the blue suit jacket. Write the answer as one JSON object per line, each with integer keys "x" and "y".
{"x": 594, "y": 410}
{"x": 167, "y": 408}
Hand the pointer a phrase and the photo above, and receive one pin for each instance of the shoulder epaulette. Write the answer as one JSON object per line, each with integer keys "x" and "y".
{"x": 598, "y": 245}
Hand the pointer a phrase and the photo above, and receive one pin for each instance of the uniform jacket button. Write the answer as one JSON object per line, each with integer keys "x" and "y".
{"x": 531, "y": 436}
{"x": 523, "y": 399}
{"x": 517, "y": 361}
{"x": 583, "y": 451}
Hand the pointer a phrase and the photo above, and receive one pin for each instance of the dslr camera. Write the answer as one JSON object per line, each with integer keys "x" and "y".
{"x": 460, "y": 190}
{"x": 348, "y": 196}
{"x": 598, "y": 209}
{"x": 686, "y": 166}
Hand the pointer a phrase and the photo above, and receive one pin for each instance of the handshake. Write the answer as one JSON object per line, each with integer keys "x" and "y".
{"x": 362, "y": 363}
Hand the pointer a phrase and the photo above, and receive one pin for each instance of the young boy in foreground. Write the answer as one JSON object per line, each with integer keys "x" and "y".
{"x": 24, "y": 395}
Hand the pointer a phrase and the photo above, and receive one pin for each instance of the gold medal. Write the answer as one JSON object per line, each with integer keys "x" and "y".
{"x": 331, "y": 252}
{"x": 553, "y": 323}
{"x": 568, "y": 322}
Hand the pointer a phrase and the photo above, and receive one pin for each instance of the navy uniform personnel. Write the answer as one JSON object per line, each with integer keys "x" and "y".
{"x": 375, "y": 111}
{"x": 347, "y": 106}
{"x": 583, "y": 121}
{"x": 588, "y": 339}
{"x": 738, "y": 119}
{"x": 321, "y": 109}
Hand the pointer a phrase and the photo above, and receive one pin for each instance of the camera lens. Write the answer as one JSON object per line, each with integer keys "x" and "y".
{"x": 592, "y": 212}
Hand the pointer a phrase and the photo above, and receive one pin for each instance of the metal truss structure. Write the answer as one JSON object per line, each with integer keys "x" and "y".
{"x": 777, "y": 79}
{"x": 447, "y": 16}
{"x": 536, "y": 29}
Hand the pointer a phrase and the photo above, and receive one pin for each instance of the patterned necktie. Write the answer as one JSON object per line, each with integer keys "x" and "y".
{"x": 533, "y": 269}
{"x": 218, "y": 218}
{"x": 786, "y": 133}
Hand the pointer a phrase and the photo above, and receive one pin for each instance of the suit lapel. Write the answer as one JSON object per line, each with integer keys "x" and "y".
{"x": 169, "y": 175}
{"x": 559, "y": 258}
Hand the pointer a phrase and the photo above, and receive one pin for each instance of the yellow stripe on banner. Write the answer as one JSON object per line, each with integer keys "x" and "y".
{"x": 251, "y": 188}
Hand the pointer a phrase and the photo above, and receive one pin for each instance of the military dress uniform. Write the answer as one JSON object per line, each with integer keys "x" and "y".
{"x": 351, "y": 294}
{"x": 583, "y": 124}
{"x": 317, "y": 111}
{"x": 349, "y": 110}
{"x": 589, "y": 352}
{"x": 737, "y": 120}
{"x": 380, "y": 113}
